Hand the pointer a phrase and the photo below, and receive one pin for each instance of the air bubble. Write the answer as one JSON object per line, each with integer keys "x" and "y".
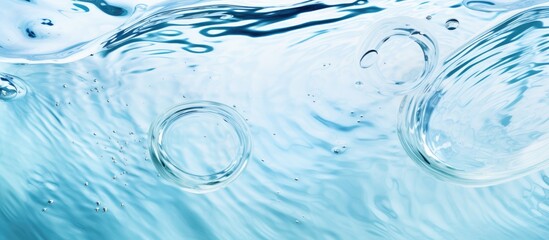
{"x": 484, "y": 119}
{"x": 339, "y": 149}
{"x": 11, "y": 87}
{"x": 368, "y": 59}
{"x": 397, "y": 56}
{"x": 452, "y": 24}
{"x": 183, "y": 156}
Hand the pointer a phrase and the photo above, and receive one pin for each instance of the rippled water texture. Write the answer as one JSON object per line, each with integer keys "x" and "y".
{"x": 102, "y": 101}
{"x": 479, "y": 121}
{"x": 500, "y": 5}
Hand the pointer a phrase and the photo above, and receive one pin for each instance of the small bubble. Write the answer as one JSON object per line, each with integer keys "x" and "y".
{"x": 368, "y": 59}
{"x": 339, "y": 149}
{"x": 452, "y": 24}
{"x": 11, "y": 87}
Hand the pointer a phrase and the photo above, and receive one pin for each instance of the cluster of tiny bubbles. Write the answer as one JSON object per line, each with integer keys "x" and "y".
{"x": 201, "y": 146}
{"x": 11, "y": 87}
{"x": 397, "y": 56}
{"x": 484, "y": 120}
{"x": 500, "y": 5}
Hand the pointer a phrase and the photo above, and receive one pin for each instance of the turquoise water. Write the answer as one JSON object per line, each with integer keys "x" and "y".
{"x": 363, "y": 119}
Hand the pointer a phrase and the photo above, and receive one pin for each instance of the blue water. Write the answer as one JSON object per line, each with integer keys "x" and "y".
{"x": 364, "y": 119}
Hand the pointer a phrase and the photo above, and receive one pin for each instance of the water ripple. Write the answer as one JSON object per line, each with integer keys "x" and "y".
{"x": 500, "y": 5}
{"x": 481, "y": 121}
{"x": 56, "y": 31}
{"x": 327, "y": 163}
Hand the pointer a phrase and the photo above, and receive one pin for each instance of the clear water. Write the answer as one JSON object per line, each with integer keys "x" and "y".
{"x": 83, "y": 81}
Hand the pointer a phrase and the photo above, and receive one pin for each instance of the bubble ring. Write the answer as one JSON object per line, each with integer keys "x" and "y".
{"x": 393, "y": 27}
{"x": 193, "y": 182}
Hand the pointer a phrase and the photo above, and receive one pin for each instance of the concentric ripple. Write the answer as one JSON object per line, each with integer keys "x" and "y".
{"x": 398, "y": 55}
{"x": 201, "y": 146}
{"x": 485, "y": 118}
